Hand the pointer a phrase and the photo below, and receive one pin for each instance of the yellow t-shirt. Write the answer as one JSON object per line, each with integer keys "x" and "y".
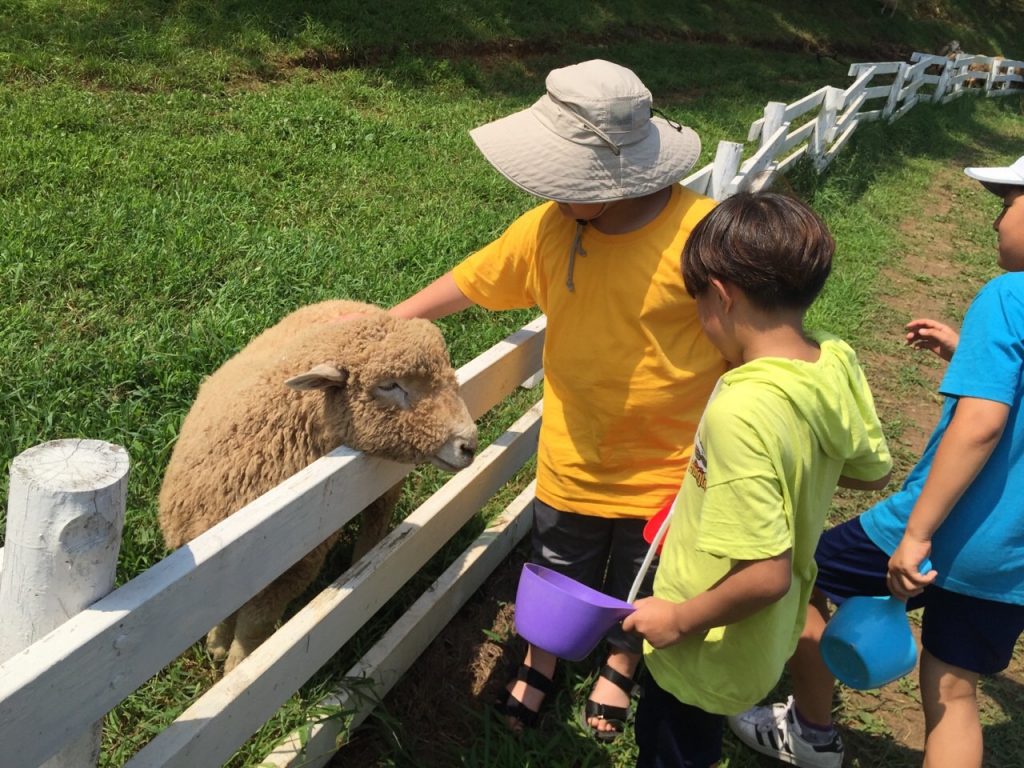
{"x": 627, "y": 367}
{"x": 773, "y": 444}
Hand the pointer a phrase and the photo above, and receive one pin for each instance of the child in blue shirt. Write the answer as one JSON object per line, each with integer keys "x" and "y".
{"x": 961, "y": 507}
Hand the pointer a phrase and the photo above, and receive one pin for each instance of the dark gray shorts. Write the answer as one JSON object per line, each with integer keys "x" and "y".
{"x": 603, "y": 553}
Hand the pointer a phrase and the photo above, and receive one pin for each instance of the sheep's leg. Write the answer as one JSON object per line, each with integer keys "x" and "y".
{"x": 257, "y": 619}
{"x": 218, "y": 641}
{"x": 375, "y": 520}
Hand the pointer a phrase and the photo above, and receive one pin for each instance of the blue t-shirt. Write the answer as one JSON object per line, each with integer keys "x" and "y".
{"x": 979, "y": 549}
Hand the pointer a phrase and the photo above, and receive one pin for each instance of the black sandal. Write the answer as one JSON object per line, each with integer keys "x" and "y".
{"x": 617, "y": 717}
{"x": 510, "y": 706}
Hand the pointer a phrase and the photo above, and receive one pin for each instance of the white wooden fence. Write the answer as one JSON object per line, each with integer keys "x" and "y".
{"x": 819, "y": 125}
{"x": 58, "y": 682}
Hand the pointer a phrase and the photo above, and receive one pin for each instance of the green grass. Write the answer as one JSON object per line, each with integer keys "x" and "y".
{"x": 174, "y": 177}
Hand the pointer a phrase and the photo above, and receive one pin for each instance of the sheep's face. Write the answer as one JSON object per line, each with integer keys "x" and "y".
{"x": 393, "y": 394}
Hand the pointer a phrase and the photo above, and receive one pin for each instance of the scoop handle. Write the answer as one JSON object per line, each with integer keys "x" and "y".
{"x": 651, "y": 552}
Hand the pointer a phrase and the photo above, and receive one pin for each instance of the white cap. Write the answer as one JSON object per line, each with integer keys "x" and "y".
{"x": 1012, "y": 176}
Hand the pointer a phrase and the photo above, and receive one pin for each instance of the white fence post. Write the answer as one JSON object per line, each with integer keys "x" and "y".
{"x": 947, "y": 72}
{"x": 897, "y": 87}
{"x": 727, "y": 163}
{"x": 824, "y": 124}
{"x": 64, "y": 520}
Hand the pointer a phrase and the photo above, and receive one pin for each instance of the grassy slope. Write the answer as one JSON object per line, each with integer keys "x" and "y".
{"x": 172, "y": 180}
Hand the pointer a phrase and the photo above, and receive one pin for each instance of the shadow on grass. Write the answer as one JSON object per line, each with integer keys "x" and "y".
{"x": 954, "y": 133}
{"x": 266, "y": 37}
{"x": 1004, "y": 739}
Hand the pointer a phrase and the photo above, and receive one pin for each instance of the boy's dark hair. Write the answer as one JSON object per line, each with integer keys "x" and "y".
{"x": 771, "y": 246}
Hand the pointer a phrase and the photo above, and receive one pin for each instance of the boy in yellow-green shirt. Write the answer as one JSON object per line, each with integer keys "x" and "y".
{"x": 792, "y": 419}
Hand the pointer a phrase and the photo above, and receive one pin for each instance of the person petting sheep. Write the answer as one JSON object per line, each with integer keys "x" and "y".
{"x": 627, "y": 368}
{"x": 379, "y": 384}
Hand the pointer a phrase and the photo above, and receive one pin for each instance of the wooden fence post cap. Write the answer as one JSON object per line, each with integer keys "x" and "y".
{"x": 71, "y": 465}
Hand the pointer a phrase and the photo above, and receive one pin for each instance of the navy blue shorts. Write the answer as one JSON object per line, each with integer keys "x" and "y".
{"x": 671, "y": 734}
{"x": 968, "y": 632}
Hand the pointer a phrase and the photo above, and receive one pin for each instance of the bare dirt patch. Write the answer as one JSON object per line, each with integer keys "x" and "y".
{"x": 462, "y": 669}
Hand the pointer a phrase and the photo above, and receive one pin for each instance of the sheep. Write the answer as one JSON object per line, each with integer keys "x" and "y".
{"x": 985, "y": 69}
{"x": 377, "y": 384}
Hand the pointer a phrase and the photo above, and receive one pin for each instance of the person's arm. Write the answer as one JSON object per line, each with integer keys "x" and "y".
{"x": 972, "y": 435}
{"x": 749, "y": 587}
{"x": 933, "y": 336}
{"x": 439, "y": 299}
{"x": 864, "y": 485}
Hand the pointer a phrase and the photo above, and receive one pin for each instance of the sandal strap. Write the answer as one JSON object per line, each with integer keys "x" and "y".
{"x": 625, "y": 684}
{"x": 531, "y": 677}
{"x": 510, "y": 706}
{"x": 608, "y": 713}
{"x": 513, "y": 707}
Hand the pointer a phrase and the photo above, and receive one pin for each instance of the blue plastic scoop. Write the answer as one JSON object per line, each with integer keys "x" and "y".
{"x": 868, "y": 642}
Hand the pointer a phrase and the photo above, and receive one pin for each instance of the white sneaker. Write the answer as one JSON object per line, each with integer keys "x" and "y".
{"x": 775, "y": 731}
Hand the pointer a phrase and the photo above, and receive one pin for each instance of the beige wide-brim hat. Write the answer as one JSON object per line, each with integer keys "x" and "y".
{"x": 590, "y": 139}
{"x": 1012, "y": 176}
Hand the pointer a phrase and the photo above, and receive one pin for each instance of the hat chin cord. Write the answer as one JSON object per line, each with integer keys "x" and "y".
{"x": 577, "y": 244}
{"x": 577, "y": 247}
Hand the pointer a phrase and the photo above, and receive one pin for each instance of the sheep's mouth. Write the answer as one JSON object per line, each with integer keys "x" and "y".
{"x": 442, "y": 464}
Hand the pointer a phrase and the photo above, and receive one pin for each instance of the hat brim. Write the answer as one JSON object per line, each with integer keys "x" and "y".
{"x": 544, "y": 164}
{"x": 997, "y": 177}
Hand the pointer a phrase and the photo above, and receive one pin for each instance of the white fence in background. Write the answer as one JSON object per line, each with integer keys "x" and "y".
{"x": 58, "y": 680}
{"x": 818, "y": 126}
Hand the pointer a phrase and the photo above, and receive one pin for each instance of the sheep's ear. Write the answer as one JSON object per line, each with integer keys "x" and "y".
{"x": 321, "y": 376}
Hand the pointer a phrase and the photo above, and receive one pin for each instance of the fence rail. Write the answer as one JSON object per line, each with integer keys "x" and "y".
{"x": 53, "y": 692}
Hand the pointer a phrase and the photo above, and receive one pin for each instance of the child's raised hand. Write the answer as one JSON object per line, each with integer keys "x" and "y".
{"x": 933, "y": 336}
{"x": 905, "y": 579}
{"x": 656, "y": 620}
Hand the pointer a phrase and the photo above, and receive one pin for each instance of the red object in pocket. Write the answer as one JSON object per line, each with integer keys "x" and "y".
{"x": 651, "y": 529}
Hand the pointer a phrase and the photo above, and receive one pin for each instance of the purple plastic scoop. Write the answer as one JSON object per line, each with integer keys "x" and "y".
{"x": 566, "y": 618}
{"x": 562, "y": 616}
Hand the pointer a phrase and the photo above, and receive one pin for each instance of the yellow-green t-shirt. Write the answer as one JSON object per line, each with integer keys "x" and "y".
{"x": 627, "y": 367}
{"x": 773, "y": 443}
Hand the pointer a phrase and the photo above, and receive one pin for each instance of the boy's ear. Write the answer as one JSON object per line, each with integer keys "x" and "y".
{"x": 724, "y": 291}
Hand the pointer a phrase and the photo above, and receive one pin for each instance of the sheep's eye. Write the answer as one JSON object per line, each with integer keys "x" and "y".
{"x": 392, "y": 393}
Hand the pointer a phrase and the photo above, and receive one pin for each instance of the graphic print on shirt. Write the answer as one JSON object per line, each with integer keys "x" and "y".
{"x": 699, "y": 464}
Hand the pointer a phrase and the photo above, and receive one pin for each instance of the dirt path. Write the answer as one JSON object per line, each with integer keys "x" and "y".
{"x": 464, "y": 668}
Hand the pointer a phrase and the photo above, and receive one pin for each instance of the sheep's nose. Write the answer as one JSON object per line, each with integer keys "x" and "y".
{"x": 466, "y": 448}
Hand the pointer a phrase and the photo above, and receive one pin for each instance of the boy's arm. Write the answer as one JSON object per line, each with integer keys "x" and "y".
{"x": 750, "y": 586}
{"x": 439, "y": 299}
{"x": 972, "y": 435}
